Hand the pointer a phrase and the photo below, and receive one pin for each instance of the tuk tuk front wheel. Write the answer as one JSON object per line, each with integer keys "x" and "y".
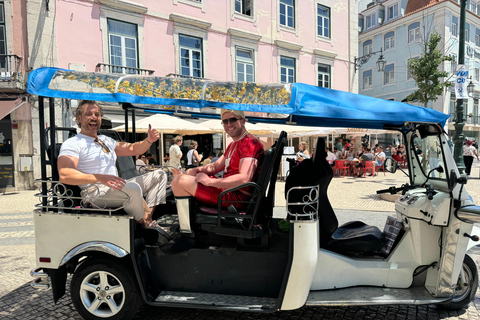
{"x": 465, "y": 288}
{"x": 105, "y": 290}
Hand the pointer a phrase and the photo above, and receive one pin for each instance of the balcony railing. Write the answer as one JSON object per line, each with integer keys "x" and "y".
{"x": 110, "y": 68}
{"x": 176, "y": 75}
{"x": 467, "y": 120}
{"x": 9, "y": 66}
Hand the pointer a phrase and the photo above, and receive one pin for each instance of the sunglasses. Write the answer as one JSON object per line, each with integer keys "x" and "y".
{"x": 103, "y": 145}
{"x": 231, "y": 120}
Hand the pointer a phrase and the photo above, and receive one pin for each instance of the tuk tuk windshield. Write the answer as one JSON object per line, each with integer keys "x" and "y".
{"x": 430, "y": 155}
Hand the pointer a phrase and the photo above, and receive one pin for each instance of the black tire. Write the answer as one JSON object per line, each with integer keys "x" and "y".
{"x": 99, "y": 302}
{"x": 464, "y": 292}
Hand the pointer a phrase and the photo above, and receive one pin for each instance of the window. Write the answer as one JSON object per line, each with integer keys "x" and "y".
{"x": 3, "y": 42}
{"x": 191, "y": 56}
{"x": 477, "y": 74}
{"x": 389, "y": 40}
{"x": 454, "y": 26}
{"x": 392, "y": 11}
{"x": 287, "y": 70}
{"x": 367, "y": 79}
{"x": 287, "y": 13}
{"x": 244, "y": 7}
{"x": 409, "y": 74}
{"x": 245, "y": 65}
{"x": 414, "y": 32}
{"x": 389, "y": 74}
{"x": 467, "y": 34}
{"x": 323, "y": 20}
{"x": 477, "y": 37}
{"x": 367, "y": 47}
{"x": 370, "y": 21}
{"x": 454, "y": 63}
{"x": 324, "y": 75}
{"x": 122, "y": 38}
{"x": 473, "y": 7}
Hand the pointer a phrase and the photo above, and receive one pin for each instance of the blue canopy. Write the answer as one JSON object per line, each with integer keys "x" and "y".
{"x": 301, "y": 103}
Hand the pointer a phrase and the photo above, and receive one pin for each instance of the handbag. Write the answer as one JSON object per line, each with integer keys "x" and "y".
{"x": 195, "y": 162}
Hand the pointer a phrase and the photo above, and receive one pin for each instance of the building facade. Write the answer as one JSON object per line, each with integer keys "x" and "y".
{"x": 310, "y": 41}
{"x": 400, "y": 28}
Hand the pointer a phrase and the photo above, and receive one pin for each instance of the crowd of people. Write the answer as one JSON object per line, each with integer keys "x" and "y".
{"x": 357, "y": 155}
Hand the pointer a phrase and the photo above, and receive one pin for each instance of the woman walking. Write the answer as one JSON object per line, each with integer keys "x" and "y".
{"x": 469, "y": 152}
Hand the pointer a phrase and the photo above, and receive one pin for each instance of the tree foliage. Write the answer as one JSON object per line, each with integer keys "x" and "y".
{"x": 425, "y": 71}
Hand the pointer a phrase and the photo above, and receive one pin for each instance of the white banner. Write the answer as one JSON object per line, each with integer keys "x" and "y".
{"x": 461, "y": 82}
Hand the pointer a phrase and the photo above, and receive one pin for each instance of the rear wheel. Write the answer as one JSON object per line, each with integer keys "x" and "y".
{"x": 105, "y": 290}
{"x": 465, "y": 288}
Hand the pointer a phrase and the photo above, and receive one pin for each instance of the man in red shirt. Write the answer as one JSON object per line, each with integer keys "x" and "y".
{"x": 241, "y": 162}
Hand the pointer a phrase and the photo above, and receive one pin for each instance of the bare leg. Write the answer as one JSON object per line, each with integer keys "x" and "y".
{"x": 184, "y": 185}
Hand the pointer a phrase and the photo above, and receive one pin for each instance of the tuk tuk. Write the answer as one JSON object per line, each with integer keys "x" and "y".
{"x": 251, "y": 261}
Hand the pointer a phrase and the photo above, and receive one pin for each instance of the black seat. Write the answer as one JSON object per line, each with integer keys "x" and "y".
{"x": 252, "y": 221}
{"x": 351, "y": 238}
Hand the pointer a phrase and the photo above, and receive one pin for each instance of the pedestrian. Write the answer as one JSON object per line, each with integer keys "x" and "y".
{"x": 469, "y": 152}
{"x": 175, "y": 152}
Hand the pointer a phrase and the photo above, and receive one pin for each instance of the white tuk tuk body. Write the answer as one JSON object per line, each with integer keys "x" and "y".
{"x": 249, "y": 264}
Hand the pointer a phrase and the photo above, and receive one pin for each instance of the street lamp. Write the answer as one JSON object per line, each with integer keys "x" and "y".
{"x": 380, "y": 62}
{"x": 459, "y": 124}
{"x": 470, "y": 88}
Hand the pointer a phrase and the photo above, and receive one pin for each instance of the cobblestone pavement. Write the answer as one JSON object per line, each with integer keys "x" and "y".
{"x": 351, "y": 197}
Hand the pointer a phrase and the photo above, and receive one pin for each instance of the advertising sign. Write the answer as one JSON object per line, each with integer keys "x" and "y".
{"x": 461, "y": 82}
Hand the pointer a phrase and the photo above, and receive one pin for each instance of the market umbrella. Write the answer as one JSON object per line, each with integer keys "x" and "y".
{"x": 168, "y": 124}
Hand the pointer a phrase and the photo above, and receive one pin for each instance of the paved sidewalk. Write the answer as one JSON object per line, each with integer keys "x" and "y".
{"x": 352, "y": 199}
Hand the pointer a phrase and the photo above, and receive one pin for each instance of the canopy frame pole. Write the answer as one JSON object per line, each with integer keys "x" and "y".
{"x": 125, "y": 108}
{"x": 162, "y": 151}
{"x": 134, "y": 131}
{"x": 43, "y": 160}
{"x": 53, "y": 149}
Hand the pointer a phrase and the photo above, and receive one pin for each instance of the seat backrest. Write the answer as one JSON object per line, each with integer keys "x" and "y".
{"x": 267, "y": 180}
{"x": 314, "y": 172}
{"x": 338, "y": 164}
{"x": 126, "y": 167}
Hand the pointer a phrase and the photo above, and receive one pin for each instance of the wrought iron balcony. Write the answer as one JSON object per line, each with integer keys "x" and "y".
{"x": 176, "y": 75}
{"x": 9, "y": 67}
{"x": 467, "y": 119}
{"x": 110, "y": 68}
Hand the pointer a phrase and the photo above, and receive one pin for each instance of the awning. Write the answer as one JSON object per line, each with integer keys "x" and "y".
{"x": 7, "y": 106}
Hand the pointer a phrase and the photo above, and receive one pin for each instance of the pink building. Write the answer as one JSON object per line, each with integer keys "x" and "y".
{"x": 264, "y": 41}
{"x": 309, "y": 41}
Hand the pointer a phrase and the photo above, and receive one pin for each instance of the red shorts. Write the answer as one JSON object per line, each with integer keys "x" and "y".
{"x": 209, "y": 196}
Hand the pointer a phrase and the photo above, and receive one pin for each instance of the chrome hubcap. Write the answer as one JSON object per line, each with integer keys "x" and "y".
{"x": 463, "y": 284}
{"x": 102, "y": 294}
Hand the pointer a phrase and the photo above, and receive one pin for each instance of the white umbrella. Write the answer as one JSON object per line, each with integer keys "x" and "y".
{"x": 167, "y": 124}
{"x": 216, "y": 125}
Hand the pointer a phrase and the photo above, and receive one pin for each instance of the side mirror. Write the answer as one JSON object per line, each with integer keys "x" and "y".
{"x": 391, "y": 165}
{"x": 452, "y": 180}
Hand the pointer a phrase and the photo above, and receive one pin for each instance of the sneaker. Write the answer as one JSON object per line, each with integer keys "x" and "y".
{"x": 163, "y": 230}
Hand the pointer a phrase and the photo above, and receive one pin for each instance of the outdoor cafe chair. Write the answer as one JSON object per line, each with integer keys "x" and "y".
{"x": 368, "y": 165}
{"x": 341, "y": 165}
{"x": 377, "y": 168}
{"x": 399, "y": 159}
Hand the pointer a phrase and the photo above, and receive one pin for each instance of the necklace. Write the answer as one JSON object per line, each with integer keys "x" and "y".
{"x": 233, "y": 149}
{"x": 242, "y": 136}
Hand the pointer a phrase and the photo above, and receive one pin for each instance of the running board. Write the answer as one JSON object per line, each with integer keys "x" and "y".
{"x": 369, "y": 296}
{"x": 220, "y": 301}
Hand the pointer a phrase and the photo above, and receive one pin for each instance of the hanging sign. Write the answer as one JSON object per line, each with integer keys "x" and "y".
{"x": 461, "y": 82}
